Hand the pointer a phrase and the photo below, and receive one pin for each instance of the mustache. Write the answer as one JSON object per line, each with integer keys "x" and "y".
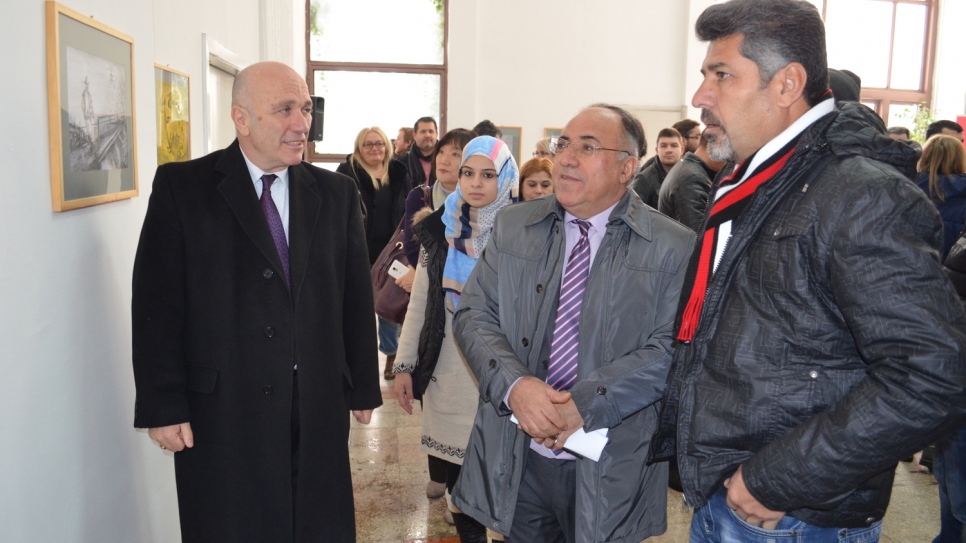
{"x": 708, "y": 118}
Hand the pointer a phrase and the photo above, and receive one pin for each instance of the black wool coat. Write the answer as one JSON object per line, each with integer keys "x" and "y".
{"x": 385, "y": 207}
{"x": 216, "y": 332}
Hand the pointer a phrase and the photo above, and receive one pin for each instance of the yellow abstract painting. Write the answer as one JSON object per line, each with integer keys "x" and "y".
{"x": 173, "y": 115}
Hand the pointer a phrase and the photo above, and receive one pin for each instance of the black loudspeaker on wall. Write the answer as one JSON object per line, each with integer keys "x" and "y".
{"x": 318, "y": 118}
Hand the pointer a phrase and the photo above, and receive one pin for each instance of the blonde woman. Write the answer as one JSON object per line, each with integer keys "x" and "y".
{"x": 941, "y": 176}
{"x": 383, "y": 185}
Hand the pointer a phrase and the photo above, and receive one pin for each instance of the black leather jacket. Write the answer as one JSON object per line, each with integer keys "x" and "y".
{"x": 684, "y": 193}
{"x": 830, "y": 344}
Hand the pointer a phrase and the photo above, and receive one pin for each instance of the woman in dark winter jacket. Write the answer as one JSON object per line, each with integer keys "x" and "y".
{"x": 942, "y": 177}
{"x": 382, "y": 184}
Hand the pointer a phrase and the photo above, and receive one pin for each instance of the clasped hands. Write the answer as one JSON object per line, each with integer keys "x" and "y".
{"x": 547, "y": 415}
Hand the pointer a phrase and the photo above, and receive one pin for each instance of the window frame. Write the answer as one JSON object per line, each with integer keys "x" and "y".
{"x": 884, "y": 97}
{"x": 384, "y": 67}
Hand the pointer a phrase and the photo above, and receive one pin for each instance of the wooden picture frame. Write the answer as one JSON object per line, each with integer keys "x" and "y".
{"x": 90, "y": 104}
{"x": 172, "y": 92}
{"x": 552, "y": 132}
{"x": 512, "y": 136}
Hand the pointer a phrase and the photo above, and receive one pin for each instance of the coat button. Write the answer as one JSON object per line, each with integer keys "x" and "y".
{"x": 268, "y": 274}
{"x": 267, "y": 389}
{"x": 602, "y": 390}
{"x": 870, "y": 520}
{"x": 546, "y": 364}
{"x": 525, "y": 342}
{"x": 269, "y": 331}
{"x": 539, "y": 289}
{"x": 813, "y": 374}
{"x": 492, "y": 364}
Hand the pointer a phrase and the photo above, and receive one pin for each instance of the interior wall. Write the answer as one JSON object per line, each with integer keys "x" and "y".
{"x": 73, "y": 469}
{"x": 529, "y": 65}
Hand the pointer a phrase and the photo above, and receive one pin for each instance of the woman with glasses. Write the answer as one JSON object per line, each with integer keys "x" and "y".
{"x": 452, "y": 238}
{"x": 542, "y": 149}
{"x": 382, "y": 184}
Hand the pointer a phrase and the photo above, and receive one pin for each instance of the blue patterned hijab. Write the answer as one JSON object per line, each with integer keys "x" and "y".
{"x": 468, "y": 228}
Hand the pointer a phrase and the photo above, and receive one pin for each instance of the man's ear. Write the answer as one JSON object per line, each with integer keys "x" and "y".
{"x": 790, "y": 84}
{"x": 628, "y": 166}
{"x": 241, "y": 119}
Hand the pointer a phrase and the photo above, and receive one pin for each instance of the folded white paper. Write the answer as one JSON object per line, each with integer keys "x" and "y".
{"x": 586, "y": 444}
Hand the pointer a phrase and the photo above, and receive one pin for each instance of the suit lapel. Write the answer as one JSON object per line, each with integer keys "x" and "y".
{"x": 304, "y": 207}
{"x": 239, "y": 191}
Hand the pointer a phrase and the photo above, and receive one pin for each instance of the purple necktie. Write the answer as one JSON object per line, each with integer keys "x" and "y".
{"x": 275, "y": 221}
{"x": 562, "y": 371}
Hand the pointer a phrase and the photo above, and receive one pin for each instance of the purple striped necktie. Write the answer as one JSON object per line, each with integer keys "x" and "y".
{"x": 274, "y": 222}
{"x": 562, "y": 371}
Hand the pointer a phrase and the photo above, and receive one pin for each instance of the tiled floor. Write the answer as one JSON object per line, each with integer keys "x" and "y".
{"x": 389, "y": 475}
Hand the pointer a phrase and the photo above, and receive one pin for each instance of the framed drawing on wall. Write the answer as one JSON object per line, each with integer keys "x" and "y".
{"x": 511, "y": 136}
{"x": 552, "y": 132}
{"x": 171, "y": 91}
{"x": 90, "y": 104}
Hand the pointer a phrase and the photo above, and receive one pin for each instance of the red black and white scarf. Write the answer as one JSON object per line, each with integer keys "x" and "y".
{"x": 717, "y": 231}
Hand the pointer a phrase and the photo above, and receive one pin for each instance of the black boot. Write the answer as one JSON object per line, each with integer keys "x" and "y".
{"x": 468, "y": 529}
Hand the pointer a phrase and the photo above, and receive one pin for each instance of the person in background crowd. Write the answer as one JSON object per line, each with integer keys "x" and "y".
{"x": 899, "y": 133}
{"x": 948, "y": 128}
{"x": 684, "y": 194}
{"x": 818, "y": 340}
{"x": 846, "y": 86}
{"x": 648, "y": 181}
{"x": 565, "y": 323}
{"x": 383, "y": 185}
{"x": 949, "y": 465}
{"x": 452, "y": 239}
{"x": 487, "y": 128}
{"x": 448, "y": 153}
{"x": 402, "y": 142}
{"x": 419, "y": 159}
{"x": 942, "y": 176}
{"x": 690, "y": 130}
{"x": 535, "y": 178}
{"x": 243, "y": 349}
{"x": 542, "y": 149}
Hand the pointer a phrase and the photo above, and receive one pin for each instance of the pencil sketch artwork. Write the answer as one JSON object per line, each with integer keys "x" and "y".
{"x": 96, "y": 112}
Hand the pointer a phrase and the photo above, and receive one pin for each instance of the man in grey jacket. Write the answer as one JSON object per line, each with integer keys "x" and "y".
{"x": 566, "y": 324}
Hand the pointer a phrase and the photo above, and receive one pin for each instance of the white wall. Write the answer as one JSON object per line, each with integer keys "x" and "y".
{"x": 530, "y": 65}
{"x": 72, "y": 468}
{"x": 950, "y": 78}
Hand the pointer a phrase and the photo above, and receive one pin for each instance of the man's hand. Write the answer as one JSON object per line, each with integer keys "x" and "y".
{"x": 532, "y": 401}
{"x": 174, "y": 438}
{"x": 403, "y": 387}
{"x": 406, "y": 281}
{"x": 747, "y": 507}
{"x": 568, "y": 411}
{"x": 363, "y": 416}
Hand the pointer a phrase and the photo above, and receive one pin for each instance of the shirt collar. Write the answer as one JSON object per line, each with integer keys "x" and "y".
{"x": 257, "y": 172}
{"x": 817, "y": 111}
{"x": 598, "y": 221}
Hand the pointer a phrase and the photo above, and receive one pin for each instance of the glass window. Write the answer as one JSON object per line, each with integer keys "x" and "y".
{"x": 910, "y": 41}
{"x": 389, "y": 100}
{"x": 862, "y": 48}
{"x": 903, "y": 115}
{"x": 377, "y": 31}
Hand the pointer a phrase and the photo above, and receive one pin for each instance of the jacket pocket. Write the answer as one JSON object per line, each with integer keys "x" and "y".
{"x": 201, "y": 379}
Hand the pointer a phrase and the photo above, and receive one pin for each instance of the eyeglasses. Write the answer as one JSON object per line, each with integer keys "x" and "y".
{"x": 371, "y": 144}
{"x": 542, "y": 154}
{"x": 583, "y": 149}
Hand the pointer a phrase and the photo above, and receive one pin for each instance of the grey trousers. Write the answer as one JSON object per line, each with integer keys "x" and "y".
{"x": 546, "y": 504}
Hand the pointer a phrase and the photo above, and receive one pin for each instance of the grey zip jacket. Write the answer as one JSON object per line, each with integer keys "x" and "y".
{"x": 504, "y": 326}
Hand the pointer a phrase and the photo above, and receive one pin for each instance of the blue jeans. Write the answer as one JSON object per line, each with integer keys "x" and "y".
{"x": 950, "y": 470}
{"x": 716, "y": 523}
{"x": 388, "y": 337}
